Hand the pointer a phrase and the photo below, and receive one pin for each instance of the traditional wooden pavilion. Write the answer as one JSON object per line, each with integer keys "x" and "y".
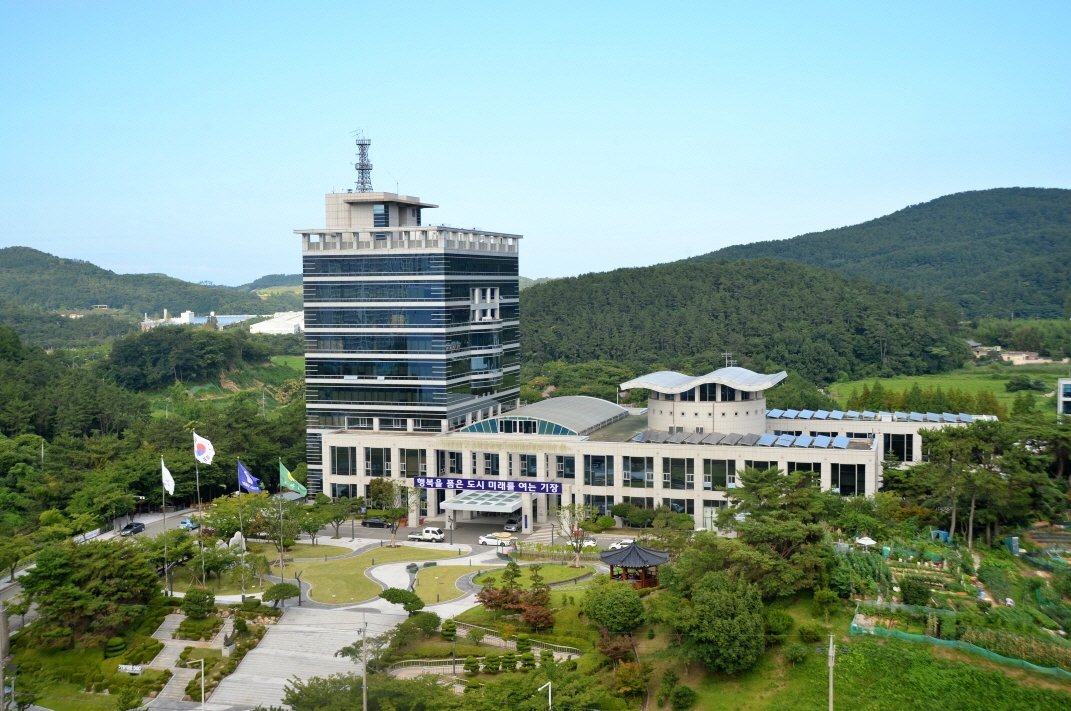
{"x": 635, "y": 564}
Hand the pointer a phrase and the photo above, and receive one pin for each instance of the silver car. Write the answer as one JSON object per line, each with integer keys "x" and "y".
{"x": 512, "y": 524}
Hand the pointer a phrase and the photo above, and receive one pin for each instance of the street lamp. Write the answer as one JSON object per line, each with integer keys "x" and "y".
{"x": 202, "y": 660}
{"x": 550, "y": 699}
{"x": 450, "y": 528}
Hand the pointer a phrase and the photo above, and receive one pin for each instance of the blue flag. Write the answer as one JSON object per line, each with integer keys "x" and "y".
{"x": 247, "y": 481}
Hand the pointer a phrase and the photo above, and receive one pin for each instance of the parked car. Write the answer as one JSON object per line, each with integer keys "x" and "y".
{"x": 497, "y": 539}
{"x": 512, "y": 524}
{"x": 188, "y": 524}
{"x": 624, "y": 543}
{"x": 428, "y": 535}
{"x": 375, "y": 522}
{"x": 131, "y": 528}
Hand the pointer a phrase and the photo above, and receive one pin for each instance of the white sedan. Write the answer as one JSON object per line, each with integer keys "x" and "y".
{"x": 625, "y": 543}
{"x": 497, "y": 539}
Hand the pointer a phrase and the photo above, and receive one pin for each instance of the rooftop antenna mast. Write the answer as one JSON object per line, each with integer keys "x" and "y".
{"x": 729, "y": 360}
{"x": 363, "y": 166}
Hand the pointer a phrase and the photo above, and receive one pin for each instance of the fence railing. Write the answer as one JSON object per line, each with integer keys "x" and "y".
{"x": 491, "y": 636}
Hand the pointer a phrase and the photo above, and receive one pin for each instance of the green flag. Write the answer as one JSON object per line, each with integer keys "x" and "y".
{"x": 287, "y": 481}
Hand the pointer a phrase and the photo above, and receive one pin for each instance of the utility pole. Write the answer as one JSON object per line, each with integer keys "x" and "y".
{"x": 832, "y": 659}
{"x": 3, "y": 655}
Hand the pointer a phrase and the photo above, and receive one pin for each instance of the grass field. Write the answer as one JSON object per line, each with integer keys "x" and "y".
{"x": 971, "y": 379}
{"x": 551, "y": 572}
{"x": 298, "y": 550}
{"x": 439, "y": 583}
{"x": 68, "y": 697}
{"x": 344, "y": 581}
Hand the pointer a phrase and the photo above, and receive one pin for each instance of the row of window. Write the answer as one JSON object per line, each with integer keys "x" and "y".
{"x": 411, "y": 343}
{"x": 404, "y": 291}
{"x": 369, "y": 393}
{"x": 400, "y": 265}
{"x": 677, "y": 473}
{"x": 708, "y": 392}
{"x": 395, "y": 317}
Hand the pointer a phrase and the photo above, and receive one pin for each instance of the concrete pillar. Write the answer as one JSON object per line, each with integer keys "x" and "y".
{"x": 433, "y": 503}
{"x": 526, "y": 513}
{"x": 544, "y": 500}
{"x": 431, "y": 467}
{"x": 414, "y": 506}
{"x": 825, "y": 476}
{"x": 395, "y": 462}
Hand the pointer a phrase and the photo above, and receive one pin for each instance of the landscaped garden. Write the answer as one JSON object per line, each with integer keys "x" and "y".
{"x": 343, "y": 580}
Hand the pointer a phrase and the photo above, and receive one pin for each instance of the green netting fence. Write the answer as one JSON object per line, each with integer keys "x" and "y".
{"x": 855, "y": 630}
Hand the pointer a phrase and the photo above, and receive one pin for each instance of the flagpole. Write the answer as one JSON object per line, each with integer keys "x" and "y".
{"x": 163, "y": 506}
{"x": 282, "y": 571}
{"x": 241, "y": 526}
{"x": 200, "y": 538}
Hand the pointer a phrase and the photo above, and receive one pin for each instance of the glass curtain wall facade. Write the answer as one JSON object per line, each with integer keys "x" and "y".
{"x": 407, "y": 328}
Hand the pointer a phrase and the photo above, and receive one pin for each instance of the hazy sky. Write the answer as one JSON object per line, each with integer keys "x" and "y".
{"x": 192, "y": 138}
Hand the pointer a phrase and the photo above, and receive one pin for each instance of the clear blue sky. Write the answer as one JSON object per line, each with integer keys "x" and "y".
{"x": 191, "y": 138}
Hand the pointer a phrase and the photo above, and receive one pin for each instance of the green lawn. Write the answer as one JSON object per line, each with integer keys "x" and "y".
{"x": 298, "y": 550}
{"x": 971, "y": 379}
{"x": 294, "y": 362}
{"x": 344, "y": 581}
{"x": 69, "y": 697}
{"x": 569, "y": 629}
{"x": 551, "y": 572}
{"x": 439, "y": 583}
{"x": 188, "y": 575}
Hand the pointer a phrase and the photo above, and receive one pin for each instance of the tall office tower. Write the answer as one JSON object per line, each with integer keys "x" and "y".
{"x": 408, "y": 328}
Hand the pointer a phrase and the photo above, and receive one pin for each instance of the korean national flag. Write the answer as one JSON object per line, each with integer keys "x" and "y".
{"x": 247, "y": 481}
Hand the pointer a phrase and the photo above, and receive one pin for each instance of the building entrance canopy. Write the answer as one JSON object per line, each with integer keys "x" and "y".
{"x": 486, "y": 501}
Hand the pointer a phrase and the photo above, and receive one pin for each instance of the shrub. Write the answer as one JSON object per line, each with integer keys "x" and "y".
{"x": 546, "y": 658}
{"x": 241, "y": 627}
{"x": 796, "y": 652}
{"x": 509, "y": 662}
{"x": 524, "y": 643}
{"x": 199, "y": 603}
{"x": 449, "y": 630}
{"x": 492, "y": 663}
{"x": 778, "y": 625}
{"x": 426, "y": 622}
{"x": 810, "y": 633}
{"x": 472, "y": 666}
{"x": 528, "y": 661}
{"x": 914, "y": 590}
{"x": 682, "y": 698}
{"x": 114, "y": 647}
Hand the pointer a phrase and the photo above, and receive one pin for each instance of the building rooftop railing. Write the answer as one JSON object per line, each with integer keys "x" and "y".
{"x": 407, "y": 239}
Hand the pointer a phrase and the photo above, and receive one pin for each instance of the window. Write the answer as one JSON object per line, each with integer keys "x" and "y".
{"x": 449, "y": 463}
{"x": 412, "y": 462}
{"x": 527, "y": 464}
{"x": 344, "y": 461}
{"x": 717, "y": 473}
{"x": 598, "y": 470}
{"x": 678, "y": 473}
{"x": 602, "y": 504}
{"x": 637, "y": 472}
{"x": 804, "y": 467}
{"x": 380, "y": 216}
{"x": 377, "y": 461}
{"x": 848, "y": 479}
{"x": 681, "y": 506}
{"x": 758, "y": 464}
{"x": 567, "y": 467}
{"x": 488, "y": 463}
{"x": 899, "y": 447}
{"x": 640, "y": 502}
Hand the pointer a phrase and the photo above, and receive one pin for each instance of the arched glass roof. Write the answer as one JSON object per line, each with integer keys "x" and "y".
{"x": 569, "y": 415}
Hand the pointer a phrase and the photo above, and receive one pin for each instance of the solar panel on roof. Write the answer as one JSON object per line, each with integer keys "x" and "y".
{"x": 867, "y": 414}
{"x": 806, "y": 414}
{"x": 803, "y": 441}
{"x": 883, "y": 414}
{"x": 933, "y": 417}
{"x": 852, "y": 414}
{"x": 694, "y": 438}
{"x": 767, "y": 440}
{"x": 836, "y": 415}
{"x": 792, "y": 414}
{"x": 774, "y": 413}
{"x": 900, "y": 415}
{"x": 949, "y": 417}
{"x": 964, "y": 417}
{"x": 840, "y": 442}
{"x": 821, "y": 441}
{"x": 731, "y": 438}
{"x": 713, "y": 438}
{"x": 785, "y": 440}
{"x": 821, "y": 415}
{"x": 676, "y": 438}
{"x": 916, "y": 417}
{"x": 749, "y": 439}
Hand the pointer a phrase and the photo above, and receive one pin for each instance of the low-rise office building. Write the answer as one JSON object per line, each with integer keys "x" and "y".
{"x": 684, "y": 450}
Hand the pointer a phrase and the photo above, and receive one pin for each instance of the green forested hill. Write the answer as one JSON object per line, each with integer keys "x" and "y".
{"x": 992, "y": 252}
{"x": 35, "y": 280}
{"x": 768, "y": 314}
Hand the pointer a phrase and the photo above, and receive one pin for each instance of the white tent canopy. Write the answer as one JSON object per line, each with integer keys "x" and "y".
{"x": 486, "y": 501}
{"x": 865, "y": 541}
